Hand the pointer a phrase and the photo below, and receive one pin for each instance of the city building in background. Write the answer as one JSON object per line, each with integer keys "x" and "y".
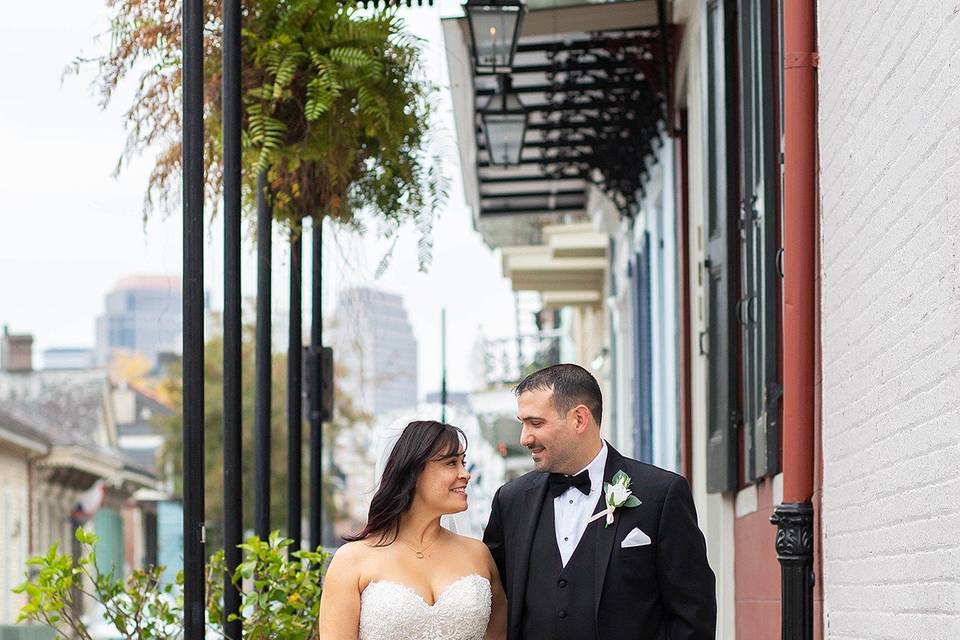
{"x": 351, "y": 470}
{"x": 142, "y": 315}
{"x": 136, "y": 409}
{"x": 375, "y": 351}
{"x": 69, "y": 358}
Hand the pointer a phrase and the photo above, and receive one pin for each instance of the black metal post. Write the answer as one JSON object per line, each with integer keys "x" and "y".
{"x": 443, "y": 365}
{"x": 794, "y": 522}
{"x": 193, "y": 466}
{"x": 232, "y": 330}
{"x": 261, "y": 433}
{"x": 294, "y": 397}
{"x": 316, "y": 421}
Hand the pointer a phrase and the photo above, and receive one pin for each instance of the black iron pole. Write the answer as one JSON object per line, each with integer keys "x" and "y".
{"x": 294, "y": 397}
{"x": 443, "y": 365}
{"x": 232, "y": 330}
{"x": 261, "y": 433}
{"x": 794, "y": 544}
{"x": 193, "y": 467}
{"x": 316, "y": 421}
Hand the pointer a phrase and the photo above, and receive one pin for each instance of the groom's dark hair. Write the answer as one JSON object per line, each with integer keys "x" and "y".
{"x": 571, "y": 385}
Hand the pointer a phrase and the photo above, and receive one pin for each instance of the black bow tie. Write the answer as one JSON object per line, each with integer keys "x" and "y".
{"x": 560, "y": 483}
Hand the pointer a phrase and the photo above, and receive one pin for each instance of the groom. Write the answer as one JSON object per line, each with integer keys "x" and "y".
{"x": 571, "y": 576}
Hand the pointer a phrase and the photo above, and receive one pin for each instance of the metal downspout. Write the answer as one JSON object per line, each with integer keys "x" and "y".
{"x": 794, "y": 517}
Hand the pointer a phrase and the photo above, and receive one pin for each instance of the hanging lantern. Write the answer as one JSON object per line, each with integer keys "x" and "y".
{"x": 494, "y": 31}
{"x": 504, "y": 124}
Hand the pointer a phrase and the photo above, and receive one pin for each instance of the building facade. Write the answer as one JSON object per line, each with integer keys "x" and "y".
{"x": 20, "y": 448}
{"x": 771, "y": 304}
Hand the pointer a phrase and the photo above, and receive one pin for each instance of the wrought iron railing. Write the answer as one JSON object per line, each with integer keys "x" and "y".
{"x": 507, "y": 360}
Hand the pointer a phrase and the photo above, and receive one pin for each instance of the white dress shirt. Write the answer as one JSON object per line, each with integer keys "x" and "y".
{"x": 572, "y": 509}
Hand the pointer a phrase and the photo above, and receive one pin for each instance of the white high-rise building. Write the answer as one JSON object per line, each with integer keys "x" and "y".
{"x": 375, "y": 351}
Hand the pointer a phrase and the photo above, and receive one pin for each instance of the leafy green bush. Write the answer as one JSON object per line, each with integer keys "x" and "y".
{"x": 281, "y": 597}
{"x": 282, "y": 594}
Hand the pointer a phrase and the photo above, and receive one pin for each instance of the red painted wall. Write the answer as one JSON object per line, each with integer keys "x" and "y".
{"x": 757, "y": 572}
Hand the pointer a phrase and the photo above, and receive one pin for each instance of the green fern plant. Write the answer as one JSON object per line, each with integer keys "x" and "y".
{"x": 336, "y": 108}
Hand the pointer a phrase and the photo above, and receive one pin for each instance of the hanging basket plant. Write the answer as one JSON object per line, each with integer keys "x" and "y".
{"x": 336, "y": 107}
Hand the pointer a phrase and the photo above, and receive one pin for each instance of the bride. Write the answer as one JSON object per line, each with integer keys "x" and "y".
{"x": 404, "y": 576}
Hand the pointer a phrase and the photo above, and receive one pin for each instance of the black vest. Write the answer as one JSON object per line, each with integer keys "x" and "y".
{"x": 559, "y": 600}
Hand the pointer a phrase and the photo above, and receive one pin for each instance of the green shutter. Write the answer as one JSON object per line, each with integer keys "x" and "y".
{"x": 720, "y": 347}
{"x": 759, "y": 242}
{"x": 170, "y": 539}
{"x": 109, "y": 529}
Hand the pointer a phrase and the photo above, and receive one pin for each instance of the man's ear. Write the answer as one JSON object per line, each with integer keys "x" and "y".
{"x": 582, "y": 415}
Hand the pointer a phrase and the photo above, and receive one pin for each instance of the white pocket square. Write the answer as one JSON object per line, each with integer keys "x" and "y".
{"x": 635, "y": 538}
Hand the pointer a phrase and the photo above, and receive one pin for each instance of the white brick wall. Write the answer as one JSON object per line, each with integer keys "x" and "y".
{"x": 14, "y": 530}
{"x": 890, "y": 179}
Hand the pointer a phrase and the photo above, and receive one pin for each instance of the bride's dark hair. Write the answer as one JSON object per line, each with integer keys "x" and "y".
{"x": 420, "y": 442}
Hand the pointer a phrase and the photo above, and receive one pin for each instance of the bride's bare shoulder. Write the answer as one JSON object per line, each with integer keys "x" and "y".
{"x": 472, "y": 546}
{"x": 351, "y": 555}
{"x": 353, "y": 561}
{"x": 359, "y": 549}
{"x": 479, "y": 555}
{"x": 349, "y": 550}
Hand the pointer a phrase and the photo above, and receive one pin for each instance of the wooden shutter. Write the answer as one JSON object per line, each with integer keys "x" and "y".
{"x": 643, "y": 355}
{"x": 720, "y": 346}
{"x": 758, "y": 307}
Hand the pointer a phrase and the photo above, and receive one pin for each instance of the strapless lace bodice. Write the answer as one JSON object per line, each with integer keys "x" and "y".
{"x": 392, "y": 611}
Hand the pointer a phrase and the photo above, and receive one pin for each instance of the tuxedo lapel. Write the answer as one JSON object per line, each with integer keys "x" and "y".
{"x": 606, "y": 536}
{"x": 532, "y": 505}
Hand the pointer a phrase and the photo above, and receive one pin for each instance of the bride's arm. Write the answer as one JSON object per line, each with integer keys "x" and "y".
{"x": 497, "y": 627}
{"x": 340, "y": 599}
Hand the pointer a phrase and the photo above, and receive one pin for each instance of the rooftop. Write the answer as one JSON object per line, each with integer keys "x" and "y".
{"x": 148, "y": 282}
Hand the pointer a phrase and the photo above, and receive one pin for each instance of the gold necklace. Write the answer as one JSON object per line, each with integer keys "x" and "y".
{"x": 419, "y": 553}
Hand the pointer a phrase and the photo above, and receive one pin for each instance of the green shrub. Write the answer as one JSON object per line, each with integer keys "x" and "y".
{"x": 280, "y": 593}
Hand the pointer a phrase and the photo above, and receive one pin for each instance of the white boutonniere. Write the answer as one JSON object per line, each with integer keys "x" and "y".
{"x": 617, "y": 494}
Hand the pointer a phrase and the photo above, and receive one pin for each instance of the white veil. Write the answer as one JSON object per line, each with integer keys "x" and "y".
{"x": 460, "y": 523}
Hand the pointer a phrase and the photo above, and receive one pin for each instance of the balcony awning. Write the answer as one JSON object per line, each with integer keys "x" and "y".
{"x": 568, "y": 270}
{"x": 589, "y": 76}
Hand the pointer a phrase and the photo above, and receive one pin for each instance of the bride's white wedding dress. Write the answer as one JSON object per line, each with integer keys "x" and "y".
{"x": 392, "y": 611}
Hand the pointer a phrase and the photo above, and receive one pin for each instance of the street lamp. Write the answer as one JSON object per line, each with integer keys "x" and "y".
{"x": 494, "y": 30}
{"x": 504, "y": 124}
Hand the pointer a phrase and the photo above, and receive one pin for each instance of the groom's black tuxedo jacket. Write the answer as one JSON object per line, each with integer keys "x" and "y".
{"x": 661, "y": 591}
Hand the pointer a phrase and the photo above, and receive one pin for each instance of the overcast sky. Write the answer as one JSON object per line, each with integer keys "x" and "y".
{"x": 69, "y": 230}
